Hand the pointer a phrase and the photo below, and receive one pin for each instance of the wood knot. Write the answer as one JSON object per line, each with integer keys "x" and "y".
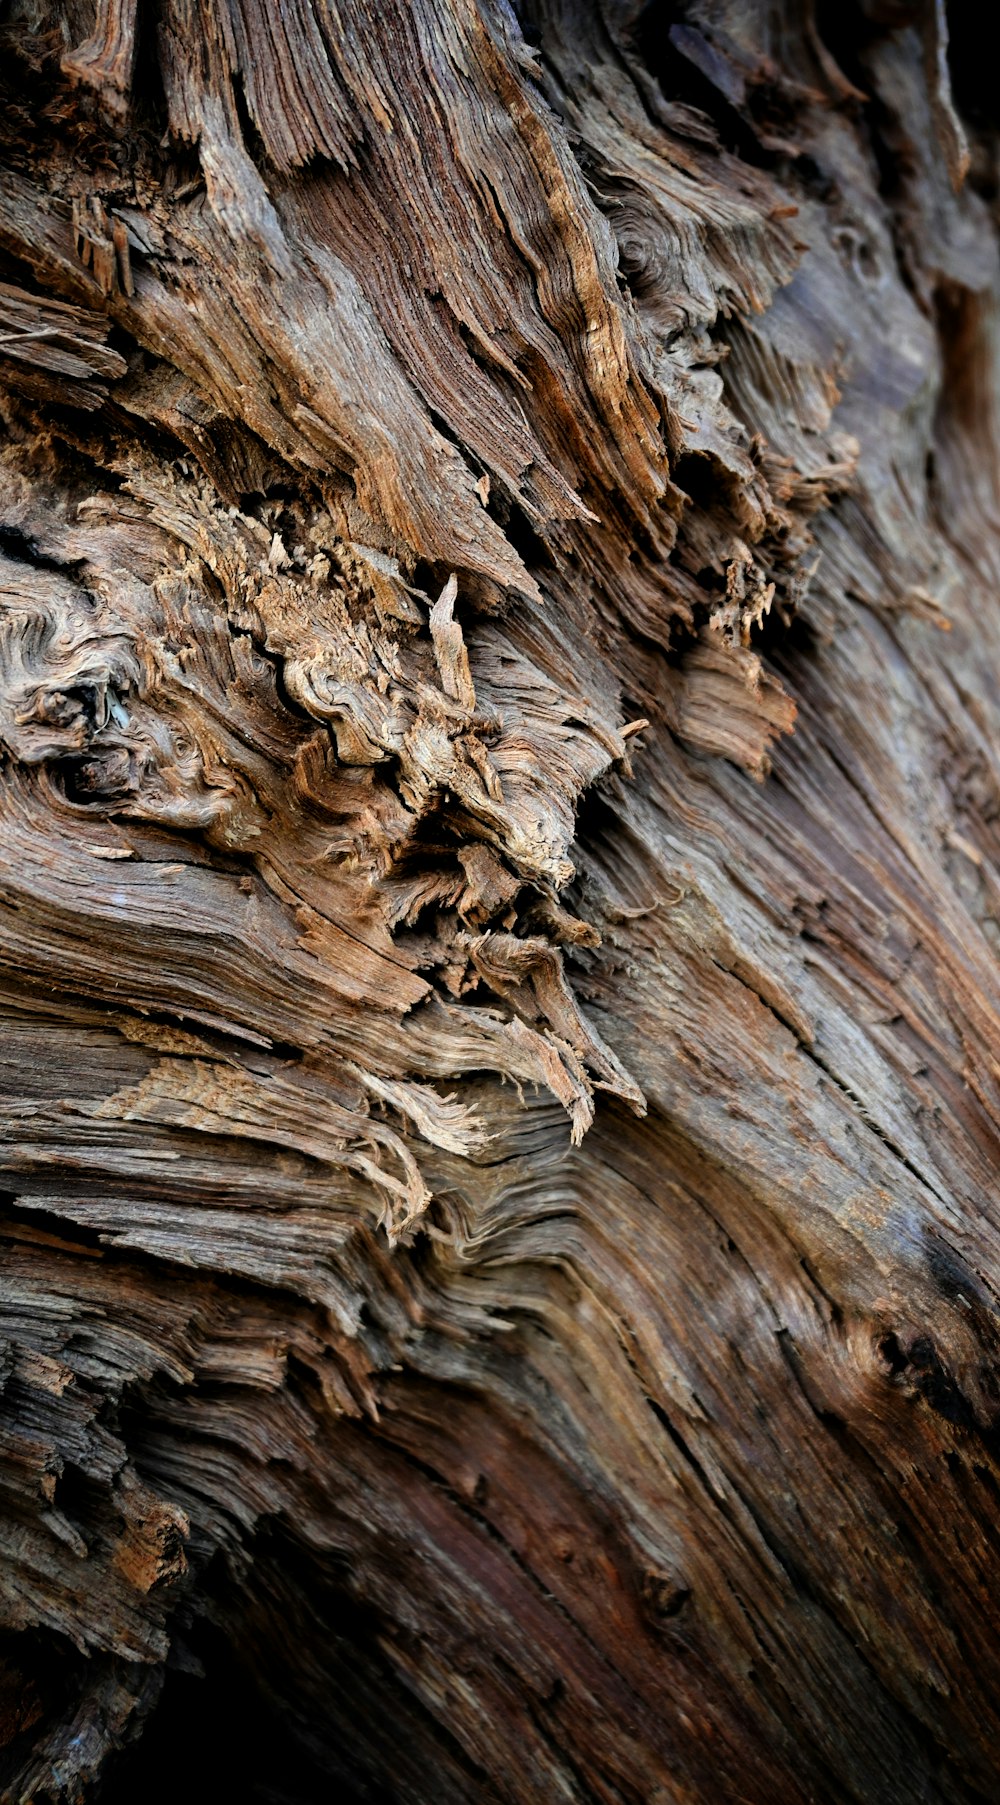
{"x": 662, "y": 1594}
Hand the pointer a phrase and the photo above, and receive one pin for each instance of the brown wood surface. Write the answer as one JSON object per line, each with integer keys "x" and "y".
{"x": 499, "y": 902}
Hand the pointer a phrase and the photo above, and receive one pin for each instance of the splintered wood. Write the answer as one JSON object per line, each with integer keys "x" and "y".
{"x": 499, "y": 902}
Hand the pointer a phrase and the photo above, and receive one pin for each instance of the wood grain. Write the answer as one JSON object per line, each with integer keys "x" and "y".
{"x": 499, "y": 902}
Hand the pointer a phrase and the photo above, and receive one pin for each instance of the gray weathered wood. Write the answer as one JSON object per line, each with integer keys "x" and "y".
{"x": 499, "y": 902}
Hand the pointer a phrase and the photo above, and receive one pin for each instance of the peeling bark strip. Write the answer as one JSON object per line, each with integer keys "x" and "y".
{"x": 499, "y": 902}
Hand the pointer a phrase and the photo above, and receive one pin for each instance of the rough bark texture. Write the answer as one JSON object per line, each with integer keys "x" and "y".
{"x": 499, "y": 902}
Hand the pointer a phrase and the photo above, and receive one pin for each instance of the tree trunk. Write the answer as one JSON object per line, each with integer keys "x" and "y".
{"x": 499, "y": 902}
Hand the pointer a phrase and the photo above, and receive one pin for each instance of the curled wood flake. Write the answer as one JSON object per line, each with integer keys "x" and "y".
{"x": 449, "y": 647}
{"x": 730, "y": 705}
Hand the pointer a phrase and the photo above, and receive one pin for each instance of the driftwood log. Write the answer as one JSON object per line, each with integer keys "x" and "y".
{"x": 499, "y": 902}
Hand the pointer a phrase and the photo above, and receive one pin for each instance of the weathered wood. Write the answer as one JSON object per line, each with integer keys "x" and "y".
{"x": 499, "y": 902}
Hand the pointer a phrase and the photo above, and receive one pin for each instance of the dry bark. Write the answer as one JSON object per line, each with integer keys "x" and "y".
{"x": 499, "y": 902}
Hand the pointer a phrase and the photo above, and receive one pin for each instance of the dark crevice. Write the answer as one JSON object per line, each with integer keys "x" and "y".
{"x": 22, "y": 549}
{"x": 215, "y": 1736}
{"x": 658, "y": 38}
